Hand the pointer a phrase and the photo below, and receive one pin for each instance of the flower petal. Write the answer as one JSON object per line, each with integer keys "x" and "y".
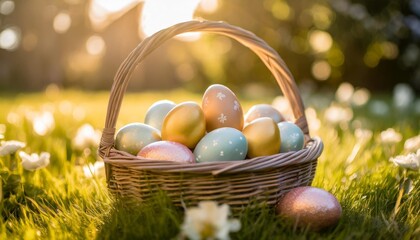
{"x": 10, "y": 147}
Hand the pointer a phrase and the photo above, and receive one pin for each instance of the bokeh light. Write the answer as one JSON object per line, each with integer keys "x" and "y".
{"x": 403, "y": 95}
{"x": 360, "y": 97}
{"x": 62, "y": 22}
{"x": 29, "y": 41}
{"x": 322, "y": 16}
{"x": 95, "y": 45}
{"x": 280, "y": 10}
{"x": 7, "y": 7}
{"x": 10, "y": 38}
{"x": 321, "y": 70}
{"x": 209, "y": 6}
{"x": 344, "y": 92}
{"x": 320, "y": 41}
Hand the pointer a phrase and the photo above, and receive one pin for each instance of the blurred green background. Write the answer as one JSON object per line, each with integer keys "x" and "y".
{"x": 80, "y": 44}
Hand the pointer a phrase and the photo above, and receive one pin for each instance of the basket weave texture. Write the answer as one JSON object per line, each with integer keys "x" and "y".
{"x": 237, "y": 183}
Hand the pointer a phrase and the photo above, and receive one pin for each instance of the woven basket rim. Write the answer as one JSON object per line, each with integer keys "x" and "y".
{"x": 310, "y": 153}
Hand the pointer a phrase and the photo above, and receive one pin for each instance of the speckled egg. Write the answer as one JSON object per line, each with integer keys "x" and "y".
{"x": 263, "y": 137}
{"x": 310, "y": 207}
{"x": 133, "y": 137}
{"x": 292, "y": 138}
{"x": 167, "y": 150}
{"x": 157, "y": 113}
{"x": 184, "y": 124}
{"x": 263, "y": 110}
{"x": 222, "y": 108}
{"x": 222, "y": 144}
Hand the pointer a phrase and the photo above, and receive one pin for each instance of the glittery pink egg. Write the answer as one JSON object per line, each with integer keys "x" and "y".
{"x": 310, "y": 207}
{"x": 167, "y": 150}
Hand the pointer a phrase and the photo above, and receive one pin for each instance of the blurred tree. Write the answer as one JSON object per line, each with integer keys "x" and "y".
{"x": 373, "y": 44}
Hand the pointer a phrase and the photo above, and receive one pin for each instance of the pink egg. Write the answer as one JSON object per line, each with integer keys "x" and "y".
{"x": 310, "y": 207}
{"x": 167, "y": 150}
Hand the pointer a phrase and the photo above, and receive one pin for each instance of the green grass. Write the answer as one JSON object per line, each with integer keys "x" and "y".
{"x": 60, "y": 202}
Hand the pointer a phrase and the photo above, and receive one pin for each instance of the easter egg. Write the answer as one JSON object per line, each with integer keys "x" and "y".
{"x": 221, "y": 108}
{"x": 157, "y": 113}
{"x": 133, "y": 137}
{"x": 263, "y": 137}
{"x": 184, "y": 124}
{"x": 222, "y": 144}
{"x": 310, "y": 207}
{"x": 292, "y": 138}
{"x": 263, "y": 110}
{"x": 167, "y": 150}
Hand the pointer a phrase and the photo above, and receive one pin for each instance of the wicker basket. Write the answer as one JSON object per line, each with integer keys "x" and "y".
{"x": 238, "y": 183}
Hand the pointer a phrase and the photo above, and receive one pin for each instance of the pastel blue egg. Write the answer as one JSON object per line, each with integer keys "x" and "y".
{"x": 222, "y": 144}
{"x": 291, "y": 136}
{"x": 157, "y": 113}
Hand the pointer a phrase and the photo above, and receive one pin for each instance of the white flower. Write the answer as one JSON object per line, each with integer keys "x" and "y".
{"x": 86, "y": 136}
{"x": 10, "y": 147}
{"x": 412, "y": 144}
{"x": 409, "y": 161}
{"x": 209, "y": 221}
{"x": 34, "y": 161}
{"x": 390, "y": 136}
{"x": 96, "y": 169}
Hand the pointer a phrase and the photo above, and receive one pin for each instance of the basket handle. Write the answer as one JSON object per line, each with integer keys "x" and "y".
{"x": 267, "y": 54}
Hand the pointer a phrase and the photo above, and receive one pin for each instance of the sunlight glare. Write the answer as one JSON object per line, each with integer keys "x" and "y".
{"x": 159, "y": 14}
{"x": 209, "y": 6}
{"x": 43, "y": 123}
{"x": 103, "y": 12}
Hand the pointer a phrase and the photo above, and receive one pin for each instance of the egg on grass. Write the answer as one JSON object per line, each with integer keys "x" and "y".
{"x": 310, "y": 207}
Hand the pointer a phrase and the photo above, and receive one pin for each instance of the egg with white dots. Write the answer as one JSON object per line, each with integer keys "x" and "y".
{"x": 221, "y": 108}
{"x": 292, "y": 137}
{"x": 222, "y": 144}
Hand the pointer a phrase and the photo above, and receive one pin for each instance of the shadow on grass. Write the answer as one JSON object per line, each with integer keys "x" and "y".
{"x": 155, "y": 218}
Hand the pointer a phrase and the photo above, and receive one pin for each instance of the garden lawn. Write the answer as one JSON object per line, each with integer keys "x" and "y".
{"x": 64, "y": 201}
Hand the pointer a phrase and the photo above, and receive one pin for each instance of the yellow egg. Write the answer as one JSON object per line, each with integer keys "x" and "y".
{"x": 184, "y": 124}
{"x": 222, "y": 108}
{"x": 263, "y": 137}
